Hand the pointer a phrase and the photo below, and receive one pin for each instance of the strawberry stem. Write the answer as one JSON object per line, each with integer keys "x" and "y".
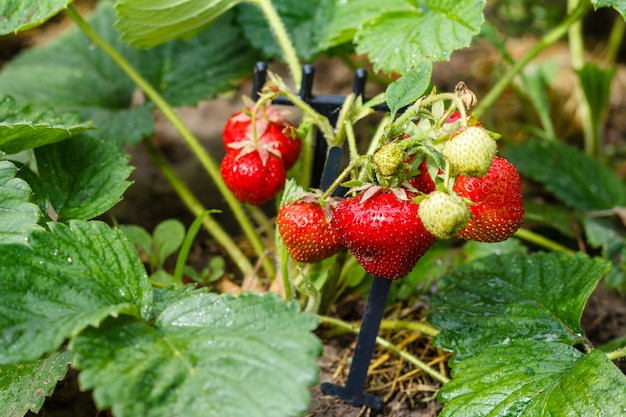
{"x": 542, "y": 241}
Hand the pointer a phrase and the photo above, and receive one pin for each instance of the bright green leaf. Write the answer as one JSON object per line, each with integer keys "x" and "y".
{"x": 572, "y": 176}
{"x": 402, "y": 40}
{"x": 148, "y": 23}
{"x": 84, "y": 176}
{"x": 70, "y": 277}
{"x": 26, "y": 127}
{"x": 619, "y": 5}
{"x": 596, "y": 85}
{"x": 501, "y": 298}
{"x": 167, "y": 237}
{"x": 206, "y": 356}
{"x": 16, "y": 15}
{"x": 25, "y": 386}
{"x": 18, "y": 216}
{"x": 347, "y": 16}
{"x": 534, "y": 379}
{"x": 408, "y": 88}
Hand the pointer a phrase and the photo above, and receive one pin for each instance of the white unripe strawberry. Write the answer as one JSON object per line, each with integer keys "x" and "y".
{"x": 443, "y": 214}
{"x": 470, "y": 151}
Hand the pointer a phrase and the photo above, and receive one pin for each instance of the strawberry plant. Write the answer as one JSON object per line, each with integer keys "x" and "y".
{"x": 515, "y": 234}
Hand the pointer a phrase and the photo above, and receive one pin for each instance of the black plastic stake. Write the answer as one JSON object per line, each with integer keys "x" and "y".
{"x": 353, "y": 391}
{"x": 325, "y": 170}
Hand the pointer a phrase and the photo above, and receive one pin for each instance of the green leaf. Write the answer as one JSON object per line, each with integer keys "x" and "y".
{"x": 497, "y": 299}
{"x": 473, "y": 250}
{"x": 604, "y": 234}
{"x": 71, "y": 75}
{"x": 303, "y": 20}
{"x": 596, "y": 85}
{"x": 408, "y": 88}
{"x": 569, "y": 173}
{"x": 84, "y": 176}
{"x": 534, "y": 379}
{"x": 167, "y": 236}
{"x": 558, "y": 217}
{"x": 206, "y": 355}
{"x": 27, "y": 127}
{"x": 399, "y": 41}
{"x": 18, "y": 216}
{"x": 25, "y": 386}
{"x": 148, "y": 23}
{"x": 618, "y": 5}
{"x": 70, "y": 277}
{"x": 24, "y": 14}
{"x": 139, "y": 236}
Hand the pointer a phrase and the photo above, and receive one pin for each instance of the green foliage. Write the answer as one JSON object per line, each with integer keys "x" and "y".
{"x": 529, "y": 378}
{"x": 25, "y": 386}
{"x": 596, "y": 85}
{"x": 405, "y": 90}
{"x": 512, "y": 321}
{"x": 504, "y": 298}
{"x": 71, "y": 76}
{"x": 65, "y": 280}
{"x": 617, "y": 5}
{"x": 148, "y": 23}
{"x": 85, "y": 187}
{"x": 27, "y": 127}
{"x": 19, "y": 216}
{"x": 569, "y": 173}
{"x": 19, "y": 15}
{"x": 205, "y": 355}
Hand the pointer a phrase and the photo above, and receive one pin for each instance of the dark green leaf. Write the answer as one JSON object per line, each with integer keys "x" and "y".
{"x": 206, "y": 356}
{"x": 27, "y": 127}
{"x": 604, "y": 233}
{"x": 84, "y": 176}
{"x": 68, "y": 278}
{"x": 303, "y": 20}
{"x": 596, "y": 85}
{"x": 25, "y": 386}
{"x": 569, "y": 173}
{"x": 408, "y": 88}
{"x": 558, "y": 217}
{"x": 72, "y": 75}
{"x": 19, "y": 15}
{"x": 498, "y": 299}
{"x": 618, "y": 5}
{"x": 399, "y": 41}
{"x": 534, "y": 379}
{"x": 473, "y": 250}
{"x": 148, "y": 23}
{"x": 18, "y": 216}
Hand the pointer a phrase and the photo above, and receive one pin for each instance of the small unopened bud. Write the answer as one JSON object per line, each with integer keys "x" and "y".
{"x": 467, "y": 96}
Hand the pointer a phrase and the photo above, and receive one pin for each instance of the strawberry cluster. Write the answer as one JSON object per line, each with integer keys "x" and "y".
{"x": 258, "y": 154}
{"x": 435, "y": 176}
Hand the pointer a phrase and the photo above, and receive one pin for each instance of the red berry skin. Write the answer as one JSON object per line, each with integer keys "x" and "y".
{"x": 383, "y": 233}
{"x": 275, "y": 134}
{"x": 249, "y": 179}
{"x": 423, "y": 181}
{"x": 498, "y": 211}
{"x": 306, "y": 231}
{"x": 456, "y": 115}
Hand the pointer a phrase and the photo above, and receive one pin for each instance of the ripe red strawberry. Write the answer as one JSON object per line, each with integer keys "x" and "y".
{"x": 273, "y": 131}
{"x": 251, "y": 180}
{"x": 499, "y": 208}
{"x": 384, "y": 233}
{"x": 305, "y": 229}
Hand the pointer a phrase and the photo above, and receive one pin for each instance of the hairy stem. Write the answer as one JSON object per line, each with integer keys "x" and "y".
{"x": 282, "y": 38}
{"x": 489, "y": 100}
{"x": 617, "y": 354}
{"x": 196, "y": 147}
{"x": 390, "y": 346}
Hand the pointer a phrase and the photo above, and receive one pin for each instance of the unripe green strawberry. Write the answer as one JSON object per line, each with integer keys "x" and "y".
{"x": 498, "y": 209}
{"x": 305, "y": 228}
{"x": 470, "y": 151}
{"x": 389, "y": 159}
{"x": 443, "y": 214}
